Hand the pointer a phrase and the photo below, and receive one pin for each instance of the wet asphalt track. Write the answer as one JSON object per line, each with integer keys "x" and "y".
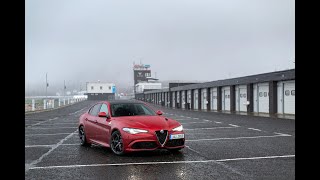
{"x": 219, "y": 146}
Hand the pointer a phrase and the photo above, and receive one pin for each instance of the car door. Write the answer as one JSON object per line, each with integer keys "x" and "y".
{"x": 90, "y": 122}
{"x": 103, "y": 126}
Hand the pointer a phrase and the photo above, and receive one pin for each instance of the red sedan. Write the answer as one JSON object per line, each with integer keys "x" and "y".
{"x": 127, "y": 126}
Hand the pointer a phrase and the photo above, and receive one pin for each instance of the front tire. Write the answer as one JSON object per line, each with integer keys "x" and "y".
{"x": 116, "y": 143}
{"x": 82, "y": 136}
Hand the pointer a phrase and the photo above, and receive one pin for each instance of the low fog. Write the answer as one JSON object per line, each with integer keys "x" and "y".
{"x": 79, "y": 41}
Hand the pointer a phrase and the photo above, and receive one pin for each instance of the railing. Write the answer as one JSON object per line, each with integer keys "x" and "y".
{"x": 42, "y": 103}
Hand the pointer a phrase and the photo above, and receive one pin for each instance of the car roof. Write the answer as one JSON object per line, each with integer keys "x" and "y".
{"x": 124, "y": 102}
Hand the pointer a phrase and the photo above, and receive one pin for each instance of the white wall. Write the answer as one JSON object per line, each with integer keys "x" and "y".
{"x": 106, "y": 87}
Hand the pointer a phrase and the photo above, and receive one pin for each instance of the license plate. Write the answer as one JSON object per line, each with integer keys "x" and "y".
{"x": 176, "y": 136}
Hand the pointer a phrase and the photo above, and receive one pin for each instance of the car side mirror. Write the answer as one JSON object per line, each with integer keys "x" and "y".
{"x": 102, "y": 114}
{"x": 159, "y": 112}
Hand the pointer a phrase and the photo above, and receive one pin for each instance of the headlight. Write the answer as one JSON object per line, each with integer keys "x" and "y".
{"x": 179, "y": 128}
{"x": 134, "y": 131}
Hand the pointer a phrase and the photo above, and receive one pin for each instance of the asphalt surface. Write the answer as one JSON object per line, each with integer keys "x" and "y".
{"x": 218, "y": 146}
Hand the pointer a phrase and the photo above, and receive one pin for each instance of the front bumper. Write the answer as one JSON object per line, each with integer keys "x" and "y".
{"x": 150, "y": 142}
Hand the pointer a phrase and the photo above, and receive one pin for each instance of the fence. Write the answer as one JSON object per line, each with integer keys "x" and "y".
{"x": 38, "y": 103}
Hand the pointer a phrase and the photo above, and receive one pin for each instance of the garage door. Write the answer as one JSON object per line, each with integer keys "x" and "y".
{"x": 173, "y": 99}
{"x": 213, "y": 97}
{"x": 261, "y": 97}
{"x": 241, "y": 98}
{"x": 286, "y": 97}
{"x": 203, "y": 99}
{"x": 178, "y": 100}
{"x": 189, "y": 99}
{"x": 226, "y": 98}
{"x": 183, "y": 102}
{"x": 165, "y": 99}
{"x": 195, "y": 99}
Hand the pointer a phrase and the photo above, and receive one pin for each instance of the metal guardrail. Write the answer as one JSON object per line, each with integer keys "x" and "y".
{"x": 39, "y": 104}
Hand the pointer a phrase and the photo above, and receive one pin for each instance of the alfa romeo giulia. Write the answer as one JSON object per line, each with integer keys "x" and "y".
{"x": 127, "y": 126}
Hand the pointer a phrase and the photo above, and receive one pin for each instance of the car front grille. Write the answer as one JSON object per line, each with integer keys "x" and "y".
{"x": 175, "y": 142}
{"x": 162, "y": 136}
{"x": 144, "y": 145}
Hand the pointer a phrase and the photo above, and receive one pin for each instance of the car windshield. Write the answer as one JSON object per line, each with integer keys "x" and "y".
{"x": 131, "y": 109}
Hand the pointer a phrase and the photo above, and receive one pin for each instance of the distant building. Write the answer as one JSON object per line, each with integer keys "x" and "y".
{"x": 101, "y": 91}
{"x": 141, "y": 73}
{"x": 144, "y": 86}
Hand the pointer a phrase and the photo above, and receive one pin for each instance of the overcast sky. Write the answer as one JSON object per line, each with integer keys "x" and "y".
{"x": 204, "y": 40}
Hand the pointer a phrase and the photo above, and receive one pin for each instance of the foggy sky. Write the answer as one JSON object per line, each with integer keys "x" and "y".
{"x": 89, "y": 40}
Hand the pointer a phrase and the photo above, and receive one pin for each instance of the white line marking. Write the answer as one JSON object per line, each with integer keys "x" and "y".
{"x": 50, "y": 145}
{"x": 193, "y": 150}
{"x": 254, "y": 129}
{"x": 252, "y": 137}
{"x": 184, "y": 120}
{"x": 70, "y": 144}
{"x": 192, "y": 122}
{"x": 163, "y": 162}
{"x": 77, "y": 111}
{"x": 181, "y": 116}
{"x": 47, "y": 134}
{"x": 283, "y": 134}
{"x": 188, "y": 117}
{"x": 57, "y": 123}
{"x": 43, "y": 122}
{"x": 195, "y": 118}
{"x": 30, "y": 146}
{"x": 212, "y": 128}
{"x": 217, "y": 122}
{"x": 35, "y": 162}
{"x": 207, "y": 120}
{"x": 253, "y": 158}
{"x": 55, "y": 128}
{"x": 234, "y": 125}
{"x": 219, "y": 163}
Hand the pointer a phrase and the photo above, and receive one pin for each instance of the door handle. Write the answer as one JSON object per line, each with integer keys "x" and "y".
{"x": 86, "y": 119}
{"x": 95, "y": 121}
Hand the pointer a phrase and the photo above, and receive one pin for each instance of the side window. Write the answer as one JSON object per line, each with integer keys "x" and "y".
{"x": 104, "y": 108}
{"x": 94, "y": 111}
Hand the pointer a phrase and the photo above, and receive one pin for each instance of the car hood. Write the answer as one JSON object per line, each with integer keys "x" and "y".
{"x": 148, "y": 122}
